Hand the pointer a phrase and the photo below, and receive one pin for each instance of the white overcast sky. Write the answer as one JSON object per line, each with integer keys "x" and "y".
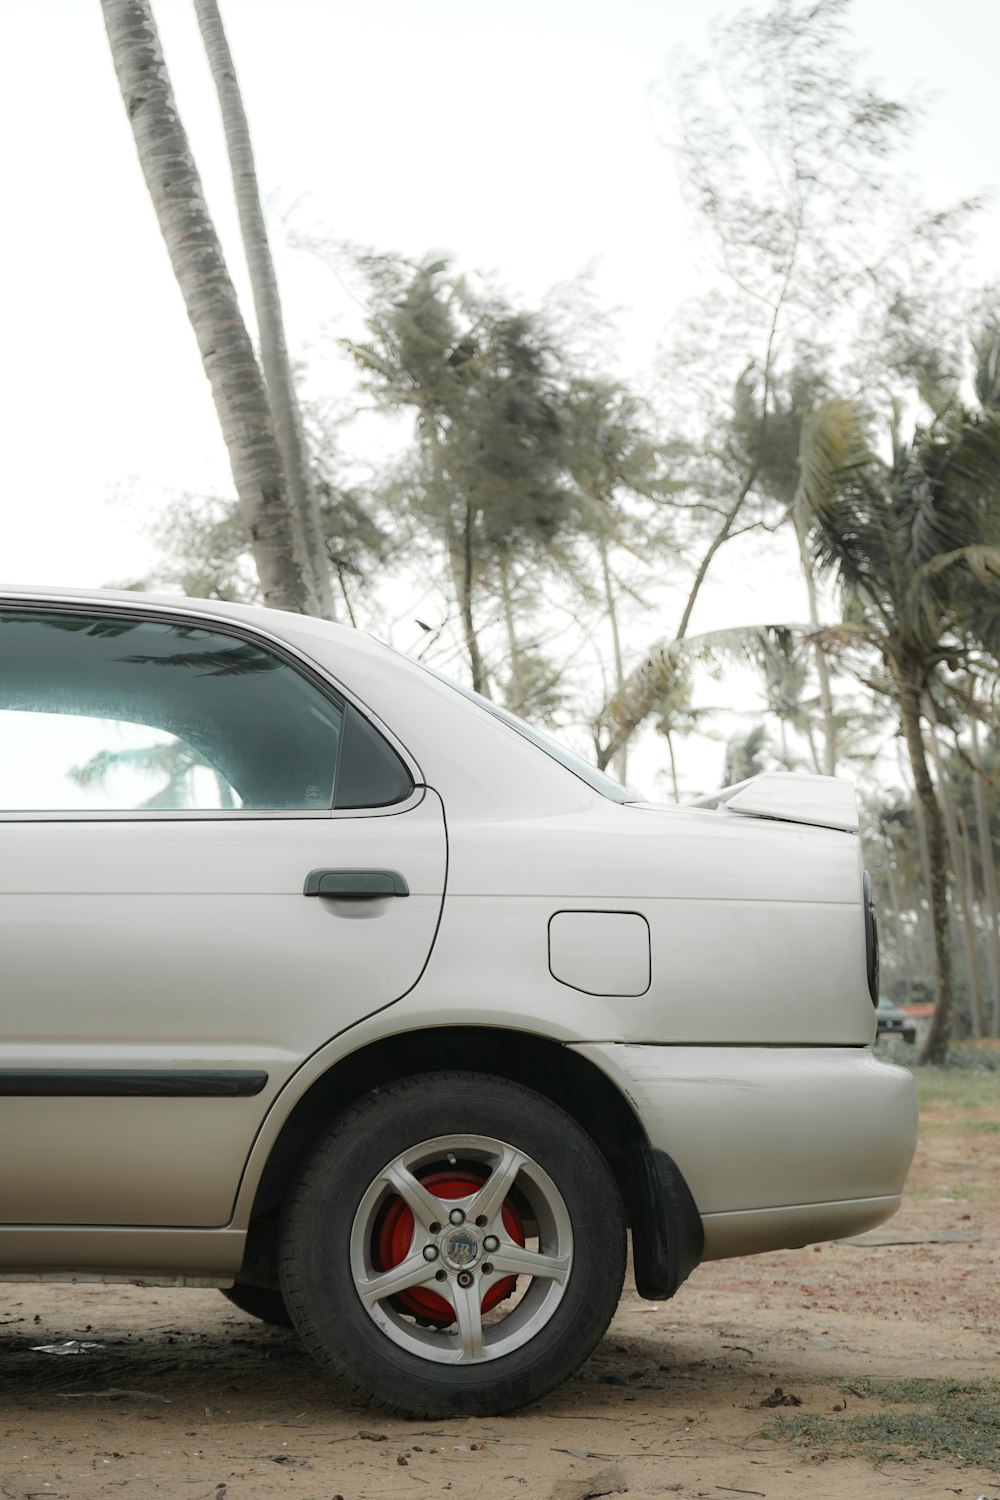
{"x": 519, "y": 137}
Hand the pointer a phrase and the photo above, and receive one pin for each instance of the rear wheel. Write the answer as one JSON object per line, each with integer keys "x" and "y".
{"x": 456, "y": 1244}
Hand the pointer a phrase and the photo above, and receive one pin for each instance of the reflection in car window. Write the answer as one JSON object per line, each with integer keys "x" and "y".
{"x": 57, "y": 762}
{"x": 132, "y": 714}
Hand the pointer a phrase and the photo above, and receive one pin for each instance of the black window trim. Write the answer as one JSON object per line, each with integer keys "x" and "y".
{"x": 249, "y": 634}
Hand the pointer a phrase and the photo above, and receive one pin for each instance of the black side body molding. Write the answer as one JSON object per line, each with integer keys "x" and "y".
{"x": 667, "y": 1234}
{"x": 115, "y": 1083}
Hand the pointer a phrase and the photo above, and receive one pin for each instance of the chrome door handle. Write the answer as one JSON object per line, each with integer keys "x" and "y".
{"x": 356, "y": 883}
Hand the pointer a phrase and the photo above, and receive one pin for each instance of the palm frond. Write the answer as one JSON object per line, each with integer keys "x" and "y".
{"x": 652, "y": 681}
{"x": 228, "y": 661}
{"x": 987, "y": 380}
{"x": 840, "y": 506}
{"x": 982, "y": 560}
{"x": 935, "y": 598}
{"x": 970, "y": 476}
{"x": 832, "y": 445}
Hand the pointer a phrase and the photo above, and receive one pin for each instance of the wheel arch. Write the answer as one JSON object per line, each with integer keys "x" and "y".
{"x": 666, "y": 1228}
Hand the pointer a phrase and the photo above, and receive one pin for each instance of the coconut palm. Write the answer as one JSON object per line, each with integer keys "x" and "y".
{"x": 914, "y": 544}
{"x": 303, "y": 495}
{"x": 660, "y": 684}
{"x": 968, "y": 779}
{"x": 172, "y": 759}
{"x": 747, "y": 755}
{"x": 616, "y": 464}
{"x": 238, "y": 389}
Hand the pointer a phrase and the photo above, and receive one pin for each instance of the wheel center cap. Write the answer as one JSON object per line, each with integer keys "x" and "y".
{"x": 460, "y": 1248}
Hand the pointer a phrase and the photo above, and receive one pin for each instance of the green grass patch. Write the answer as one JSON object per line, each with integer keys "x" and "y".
{"x": 967, "y": 1065}
{"x": 905, "y": 1420}
{"x": 957, "y": 1088}
{"x": 967, "y": 1057}
{"x": 959, "y": 1127}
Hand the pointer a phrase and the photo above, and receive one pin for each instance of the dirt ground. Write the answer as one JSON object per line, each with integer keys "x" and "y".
{"x": 181, "y": 1395}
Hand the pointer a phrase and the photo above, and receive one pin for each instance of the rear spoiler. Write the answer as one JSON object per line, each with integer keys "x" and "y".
{"x": 790, "y": 797}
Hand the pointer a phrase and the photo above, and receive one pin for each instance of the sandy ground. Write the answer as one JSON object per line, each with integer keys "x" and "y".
{"x": 184, "y": 1396}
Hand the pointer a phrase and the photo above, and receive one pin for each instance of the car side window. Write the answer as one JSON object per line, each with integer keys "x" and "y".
{"x": 118, "y": 713}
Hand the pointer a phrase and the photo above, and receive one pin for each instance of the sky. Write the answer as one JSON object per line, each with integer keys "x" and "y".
{"x": 523, "y": 139}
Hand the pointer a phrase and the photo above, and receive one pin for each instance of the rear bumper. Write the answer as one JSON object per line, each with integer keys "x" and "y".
{"x": 776, "y": 1146}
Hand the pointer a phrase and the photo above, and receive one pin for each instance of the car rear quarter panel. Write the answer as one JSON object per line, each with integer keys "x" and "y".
{"x": 756, "y": 929}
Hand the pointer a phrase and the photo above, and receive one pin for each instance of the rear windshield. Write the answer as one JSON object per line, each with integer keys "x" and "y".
{"x": 598, "y": 780}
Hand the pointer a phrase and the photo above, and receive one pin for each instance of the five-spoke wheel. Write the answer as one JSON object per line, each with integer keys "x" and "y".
{"x": 438, "y": 1245}
{"x": 456, "y": 1244}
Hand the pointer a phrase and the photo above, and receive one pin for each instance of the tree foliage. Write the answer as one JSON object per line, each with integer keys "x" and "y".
{"x": 516, "y": 460}
{"x": 913, "y": 541}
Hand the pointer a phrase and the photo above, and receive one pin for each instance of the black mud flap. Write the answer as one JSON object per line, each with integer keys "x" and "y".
{"x": 667, "y": 1235}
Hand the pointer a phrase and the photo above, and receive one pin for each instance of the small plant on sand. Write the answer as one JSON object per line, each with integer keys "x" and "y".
{"x": 906, "y": 1420}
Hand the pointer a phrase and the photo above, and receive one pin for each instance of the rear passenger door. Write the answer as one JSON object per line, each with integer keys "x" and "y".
{"x": 169, "y": 790}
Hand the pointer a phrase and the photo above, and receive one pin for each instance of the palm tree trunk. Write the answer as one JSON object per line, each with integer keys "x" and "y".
{"x": 902, "y": 947}
{"x": 196, "y": 257}
{"x": 979, "y": 998}
{"x": 939, "y": 1037}
{"x": 720, "y": 538}
{"x": 988, "y": 865}
{"x": 621, "y": 757}
{"x": 961, "y": 885}
{"x": 822, "y": 668}
{"x": 342, "y": 585}
{"x": 813, "y": 753}
{"x": 673, "y": 766}
{"x": 516, "y": 693}
{"x": 270, "y": 324}
{"x": 460, "y": 553}
{"x": 921, "y": 893}
{"x": 459, "y": 546}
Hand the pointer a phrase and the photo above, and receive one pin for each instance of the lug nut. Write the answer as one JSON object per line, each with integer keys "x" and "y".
{"x": 430, "y": 1252}
{"x": 464, "y": 1279}
{"x": 440, "y": 1275}
{"x": 435, "y": 1228}
{"x": 491, "y": 1242}
{"x": 457, "y": 1216}
{"x": 487, "y": 1268}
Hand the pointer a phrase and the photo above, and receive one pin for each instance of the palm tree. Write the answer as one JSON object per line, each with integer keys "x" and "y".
{"x": 274, "y": 359}
{"x": 914, "y": 544}
{"x": 782, "y": 659}
{"x": 486, "y": 478}
{"x": 660, "y": 683}
{"x": 987, "y": 864}
{"x": 613, "y": 459}
{"x": 747, "y": 755}
{"x": 172, "y": 759}
{"x": 238, "y": 389}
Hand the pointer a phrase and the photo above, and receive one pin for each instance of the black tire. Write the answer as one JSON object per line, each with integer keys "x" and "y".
{"x": 265, "y": 1303}
{"x": 563, "y": 1194}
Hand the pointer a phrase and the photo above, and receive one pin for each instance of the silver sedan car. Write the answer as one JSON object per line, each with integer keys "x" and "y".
{"x": 332, "y": 985}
